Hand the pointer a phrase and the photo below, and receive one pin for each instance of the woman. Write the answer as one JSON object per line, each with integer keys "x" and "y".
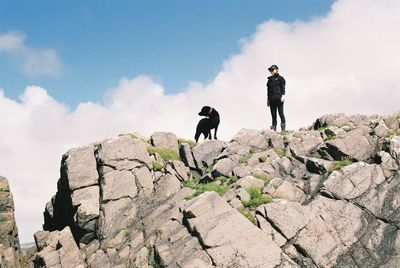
{"x": 276, "y": 96}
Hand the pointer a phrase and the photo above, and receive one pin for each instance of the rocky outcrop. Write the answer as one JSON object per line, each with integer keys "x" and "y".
{"x": 10, "y": 252}
{"x": 326, "y": 196}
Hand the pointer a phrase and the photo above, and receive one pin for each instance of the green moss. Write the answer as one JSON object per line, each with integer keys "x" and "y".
{"x": 232, "y": 180}
{"x": 208, "y": 187}
{"x": 340, "y": 164}
{"x": 157, "y": 166}
{"x": 391, "y": 133}
{"x": 190, "y": 184}
{"x": 262, "y": 159}
{"x": 191, "y": 143}
{"x": 248, "y": 215}
{"x": 279, "y": 151}
{"x": 329, "y": 138}
{"x": 165, "y": 153}
{"x": 2, "y": 218}
{"x": 244, "y": 159}
{"x": 254, "y": 150}
{"x": 2, "y": 190}
{"x": 222, "y": 179}
{"x": 275, "y": 186}
{"x": 261, "y": 177}
{"x": 128, "y": 233}
{"x": 257, "y": 198}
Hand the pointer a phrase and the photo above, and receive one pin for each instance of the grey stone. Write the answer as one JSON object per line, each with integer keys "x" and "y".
{"x": 81, "y": 168}
{"x": 167, "y": 186}
{"x": 187, "y": 156}
{"x": 205, "y": 153}
{"x": 124, "y": 153}
{"x": 228, "y": 237}
{"x": 181, "y": 170}
{"x": 164, "y": 140}
{"x": 88, "y": 202}
{"x": 392, "y": 146}
{"x": 353, "y": 181}
{"x": 118, "y": 184}
{"x": 289, "y": 192}
{"x": 115, "y": 216}
{"x": 392, "y": 122}
{"x": 319, "y": 166}
{"x": 243, "y": 194}
{"x": 288, "y": 217}
{"x": 354, "y": 145}
{"x": 144, "y": 180}
{"x": 274, "y": 235}
{"x": 249, "y": 181}
{"x": 380, "y": 130}
{"x": 251, "y": 138}
{"x": 224, "y": 167}
{"x": 99, "y": 260}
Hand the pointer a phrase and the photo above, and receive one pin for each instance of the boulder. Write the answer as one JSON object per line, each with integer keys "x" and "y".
{"x": 353, "y": 181}
{"x": 318, "y": 166}
{"x": 205, "y": 153}
{"x": 80, "y": 167}
{"x": 227, "y": 236}
{"x": 392, "y": 146}
{"x": 59, "y": 250}
{"x": 290, "y": 192}
{"x": 123, "y": 153}
{"x": 224, "y": 167}
{"x": 249, "y": 181}
{"x": 118, "y": 184}
{"x": 354, "y": 145}
{"x": 251, "y": 138}
{"x": 187, "y": 156}
{"x": 288, "y": 218}
{"x": 164, "y": 140}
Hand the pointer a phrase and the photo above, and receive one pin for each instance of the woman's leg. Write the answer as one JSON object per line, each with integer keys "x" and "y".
{"x": 273, "y": 107}
{"x": 282, "y": 116}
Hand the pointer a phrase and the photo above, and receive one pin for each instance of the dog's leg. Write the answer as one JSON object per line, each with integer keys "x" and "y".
{"x": 215, "y": 132}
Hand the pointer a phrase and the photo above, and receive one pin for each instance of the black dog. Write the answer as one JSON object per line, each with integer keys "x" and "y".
{"x": 206, "y": 124}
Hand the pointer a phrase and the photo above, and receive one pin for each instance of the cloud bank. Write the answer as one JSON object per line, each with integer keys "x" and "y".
{"x": 346, "y": 61}
{"x": 32, "y": 62}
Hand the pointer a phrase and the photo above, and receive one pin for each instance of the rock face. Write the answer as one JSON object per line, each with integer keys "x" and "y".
{"x": 10, "y": 252}
{"x": 326, "y": 196}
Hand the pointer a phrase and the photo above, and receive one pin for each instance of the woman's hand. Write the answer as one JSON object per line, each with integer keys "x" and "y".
{"x": 283, "y": 98}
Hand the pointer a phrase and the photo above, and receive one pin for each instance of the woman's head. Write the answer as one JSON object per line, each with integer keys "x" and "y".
{"x": 273, "y": 69}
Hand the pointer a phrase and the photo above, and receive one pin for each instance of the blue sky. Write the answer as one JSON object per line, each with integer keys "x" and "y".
{"x": 98, "y": 42}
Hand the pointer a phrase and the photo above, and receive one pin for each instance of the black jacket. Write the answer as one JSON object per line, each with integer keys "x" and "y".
{"x": 276, "y": 86}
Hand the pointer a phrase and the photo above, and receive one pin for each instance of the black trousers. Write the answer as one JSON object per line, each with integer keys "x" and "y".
{"x": 275, "y": 105}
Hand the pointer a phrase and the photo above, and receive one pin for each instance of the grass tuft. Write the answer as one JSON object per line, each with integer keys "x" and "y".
{"x": 279, "y": 152}
{"x": 248, "y": 215}
{"x": 257, "y": 198}
{"x": 262, "y": 159}
{"x": 391, "y": 133}
{"x": 166, "y": 154}
{"x": 244, "y": 159}
{"x": 340, "y": 164}
{"x": 191, "y": 143}
{"x": 207, "y": 187}
{"x": 157, "y": 166}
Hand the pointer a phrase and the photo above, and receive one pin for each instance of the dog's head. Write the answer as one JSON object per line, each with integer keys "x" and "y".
{"x": 205, "y": 111}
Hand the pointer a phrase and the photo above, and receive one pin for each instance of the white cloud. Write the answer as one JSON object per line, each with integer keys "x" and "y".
{"x": 31, "y": 61}
{"x": 346, "y": 61}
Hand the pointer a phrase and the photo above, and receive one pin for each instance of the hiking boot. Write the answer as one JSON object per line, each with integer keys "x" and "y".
{"x": 283, "y": 127}
{"x": 273, "y": 128}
